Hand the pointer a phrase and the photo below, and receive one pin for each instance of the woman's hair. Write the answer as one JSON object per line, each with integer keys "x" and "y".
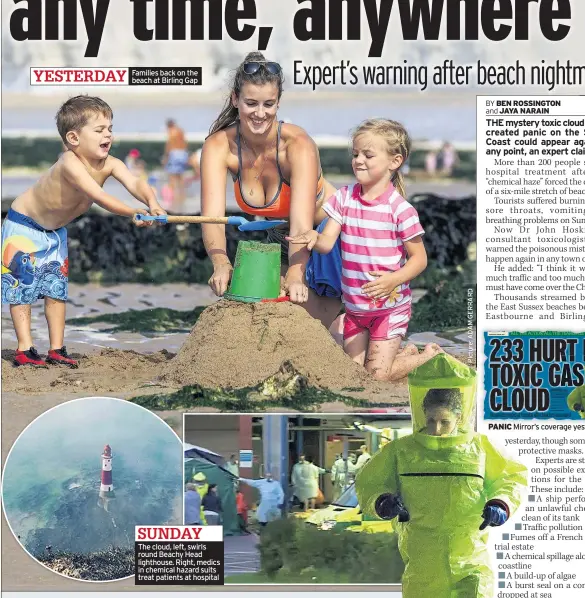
{"x": 397, "y": 142}
{"x": 447, "y": 398}
{"x": 229, "y": 115}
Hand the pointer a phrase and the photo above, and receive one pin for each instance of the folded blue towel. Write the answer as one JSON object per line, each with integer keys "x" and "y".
{"x": 324, "y": 270}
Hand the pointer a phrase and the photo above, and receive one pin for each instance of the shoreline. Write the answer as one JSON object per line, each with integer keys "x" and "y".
{"x": 26, "y": 100}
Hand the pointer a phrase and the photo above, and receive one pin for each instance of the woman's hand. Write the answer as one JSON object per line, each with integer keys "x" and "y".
{"x": 296, "y": 289}
{"x": 308, "y": 239}
{"x": 382, "y": 286}
{"x": 220, "y": 279}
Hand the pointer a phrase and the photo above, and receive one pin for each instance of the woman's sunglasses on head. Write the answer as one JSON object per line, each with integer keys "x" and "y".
{"x": 250, "y": 68}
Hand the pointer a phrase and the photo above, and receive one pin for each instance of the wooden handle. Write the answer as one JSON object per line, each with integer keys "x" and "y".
{"x": 196, "y": 220}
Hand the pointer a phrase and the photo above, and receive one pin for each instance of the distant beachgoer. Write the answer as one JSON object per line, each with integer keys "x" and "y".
{"x": 175, "y": 161}
{"x": 134, "y": 164}
{"x": 448, "y": 158}
{"x": 35, "y": 263}
{"x": 431, "y": 162}
{"x": 195, "y": 163}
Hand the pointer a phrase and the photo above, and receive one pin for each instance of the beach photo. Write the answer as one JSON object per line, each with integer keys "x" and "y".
{"x": 149, "y": 297}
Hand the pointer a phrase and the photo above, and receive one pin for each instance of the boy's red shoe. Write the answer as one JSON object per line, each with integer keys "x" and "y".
{"x": 30, "y": 357}
{"x": 60, "y": 357}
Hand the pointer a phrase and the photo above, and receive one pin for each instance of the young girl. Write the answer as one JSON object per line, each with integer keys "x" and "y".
{"x": 381, "y": 251}
{"x": 445, "y": 484}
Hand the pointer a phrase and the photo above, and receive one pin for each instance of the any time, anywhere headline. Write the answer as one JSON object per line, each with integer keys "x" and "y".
{"x": 314, "y": 20}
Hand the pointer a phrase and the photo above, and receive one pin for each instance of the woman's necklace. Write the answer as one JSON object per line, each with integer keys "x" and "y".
{"x": 256, "y": 156}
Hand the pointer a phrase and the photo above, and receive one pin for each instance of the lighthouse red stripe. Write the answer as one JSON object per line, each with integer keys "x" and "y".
{"x": 106, "y": 478}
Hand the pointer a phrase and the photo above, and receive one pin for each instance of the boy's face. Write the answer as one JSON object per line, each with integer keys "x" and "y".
{"x": 440, "y": 421}
{"x": 94, "y": 140}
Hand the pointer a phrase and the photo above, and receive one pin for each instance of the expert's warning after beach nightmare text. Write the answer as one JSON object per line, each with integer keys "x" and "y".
{"x": 179, "y": 555}
{"x": 531, "y": 209}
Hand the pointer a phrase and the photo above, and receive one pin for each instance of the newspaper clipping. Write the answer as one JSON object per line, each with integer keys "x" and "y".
{"x": 293, "y": 297}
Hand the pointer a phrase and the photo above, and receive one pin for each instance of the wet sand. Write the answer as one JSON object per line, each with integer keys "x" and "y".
{"x": 231, "y": 346}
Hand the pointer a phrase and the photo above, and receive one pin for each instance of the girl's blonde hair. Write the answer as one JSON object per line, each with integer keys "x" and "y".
{"x": 397, "y": 142}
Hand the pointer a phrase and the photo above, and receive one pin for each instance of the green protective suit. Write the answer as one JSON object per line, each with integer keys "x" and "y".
{"x": 444, "y": 483}
{"x": 576, "y": 401}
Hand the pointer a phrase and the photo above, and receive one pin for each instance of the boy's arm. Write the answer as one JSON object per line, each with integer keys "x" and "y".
{"x": 386, "y": 282}
{"x": 77, "y": 176}
{"x": 321, "y": 243}
{"x": 139, "y": 188}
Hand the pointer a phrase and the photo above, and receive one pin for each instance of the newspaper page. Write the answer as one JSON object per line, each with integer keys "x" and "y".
{"x": 292, "y": 297}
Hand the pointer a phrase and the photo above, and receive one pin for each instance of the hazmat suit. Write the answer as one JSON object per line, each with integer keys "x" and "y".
{"x": 362, "y": 460}
{"x": 271, "y": 496}
{"x": 440, "y": 487}
{"x": 202, "y": 486}
{"x": 576, "y": 401}
{"x": 303, "y": 481}
{"x": 341, "y": 474}
{"x": 316, "y": 472}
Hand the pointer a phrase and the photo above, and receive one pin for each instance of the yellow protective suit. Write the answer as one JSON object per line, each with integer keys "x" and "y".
{"x": 200, "y": 480}
{"x": 444, "y": 483}
{"x": 576, "y": 401}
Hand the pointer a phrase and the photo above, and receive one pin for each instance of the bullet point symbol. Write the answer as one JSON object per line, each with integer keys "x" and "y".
{"x": 499, "y": 555}
{"x": 501, "y": 584}
{"x": 502, "y": 575}
{"x": 531, "y": 498}
{"x": 518, "y": 526}
{"x": 505, "y": 536}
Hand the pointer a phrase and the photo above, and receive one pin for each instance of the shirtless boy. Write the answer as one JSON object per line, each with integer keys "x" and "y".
{"x": 34, "y": 238}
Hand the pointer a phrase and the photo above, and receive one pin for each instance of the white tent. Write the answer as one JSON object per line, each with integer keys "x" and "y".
{"x": 191, "y": 450}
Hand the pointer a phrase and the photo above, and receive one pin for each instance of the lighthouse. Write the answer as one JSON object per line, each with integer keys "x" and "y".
{"x": 106, "y": 485}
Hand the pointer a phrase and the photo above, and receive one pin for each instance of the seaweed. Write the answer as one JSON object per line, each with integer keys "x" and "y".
{"x": 249, "y": 399}
{"x": 158, "y": 319}
{"x": 104, "y": 565}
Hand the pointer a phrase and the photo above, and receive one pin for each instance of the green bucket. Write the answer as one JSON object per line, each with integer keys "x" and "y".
{"x": 256, "y": 273}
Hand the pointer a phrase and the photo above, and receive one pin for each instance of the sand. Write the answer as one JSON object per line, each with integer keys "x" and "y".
{"x": 109, "y": 371}
{"x": 234, "y": 345}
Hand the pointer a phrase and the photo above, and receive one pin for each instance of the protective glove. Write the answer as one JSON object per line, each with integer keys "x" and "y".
{"x": 493, "y": 515}
{"x": 388, "y": 506}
